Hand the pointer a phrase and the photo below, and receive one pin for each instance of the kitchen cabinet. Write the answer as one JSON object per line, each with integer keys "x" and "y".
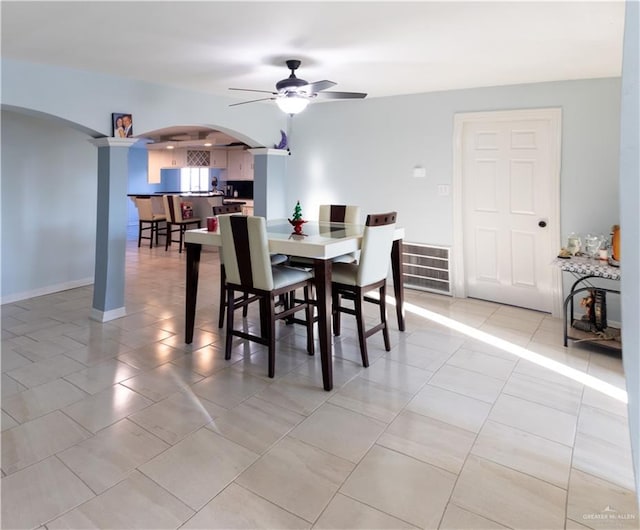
{"x": 218, "y": 158}
{"x": 239, "y": 165}
{"x": 164, "y": 159}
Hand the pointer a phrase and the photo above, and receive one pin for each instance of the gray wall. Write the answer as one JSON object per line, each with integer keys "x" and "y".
{"x": 49, "y": 191}
{"x": 630, "y": 225}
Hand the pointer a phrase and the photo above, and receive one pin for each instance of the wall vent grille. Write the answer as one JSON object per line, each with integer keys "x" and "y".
{"x": 426, "y": 268}
{"x": 198, "y": 158}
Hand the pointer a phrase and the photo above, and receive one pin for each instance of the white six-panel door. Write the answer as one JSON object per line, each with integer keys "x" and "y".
{"x": 507, "y": 194}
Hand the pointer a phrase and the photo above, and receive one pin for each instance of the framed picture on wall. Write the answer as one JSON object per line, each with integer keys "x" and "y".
{"x": 122, "y": 125}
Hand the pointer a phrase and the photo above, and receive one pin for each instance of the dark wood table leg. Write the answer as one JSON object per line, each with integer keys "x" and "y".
{"x": 322, "y": 271}
{"x": 398, "y": 281}
{"x": 193, "y": 268}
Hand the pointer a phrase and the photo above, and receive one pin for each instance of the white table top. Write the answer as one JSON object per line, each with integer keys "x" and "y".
{"x": 319, "y": 240}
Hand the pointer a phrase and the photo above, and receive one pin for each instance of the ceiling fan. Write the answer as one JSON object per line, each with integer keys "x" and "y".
{"x": 293, "y": 94}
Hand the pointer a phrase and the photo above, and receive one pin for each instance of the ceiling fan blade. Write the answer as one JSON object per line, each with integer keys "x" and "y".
{"x": 252, "y": 90}
{"x": 342, "y": 95}
{"x": 250, "y": 101}
{"x": 319, "y": 85}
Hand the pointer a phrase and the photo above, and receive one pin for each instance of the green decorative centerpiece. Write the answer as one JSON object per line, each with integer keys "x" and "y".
{"x": 296, "y": 220}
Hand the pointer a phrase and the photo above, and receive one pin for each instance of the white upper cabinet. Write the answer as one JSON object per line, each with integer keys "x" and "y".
{"x": 239, "y": 165}
{"x": 218, "y": 158}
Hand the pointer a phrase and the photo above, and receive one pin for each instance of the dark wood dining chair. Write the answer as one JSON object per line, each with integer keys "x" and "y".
{"x": 352, "y": 281}
{"x": 249, "y": 271}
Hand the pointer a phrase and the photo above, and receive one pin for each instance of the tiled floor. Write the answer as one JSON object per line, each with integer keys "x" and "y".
{"x": 122, "y": 425}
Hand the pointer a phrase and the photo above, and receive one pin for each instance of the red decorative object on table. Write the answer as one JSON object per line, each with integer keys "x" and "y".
{"x": 297, "y": 221}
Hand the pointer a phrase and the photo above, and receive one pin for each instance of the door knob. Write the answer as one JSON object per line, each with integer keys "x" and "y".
{"x": 542, "y": 224}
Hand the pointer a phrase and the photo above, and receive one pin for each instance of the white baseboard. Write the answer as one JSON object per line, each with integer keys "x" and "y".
{"x": 49, "y": 289}
{"x": 106, "y": 316}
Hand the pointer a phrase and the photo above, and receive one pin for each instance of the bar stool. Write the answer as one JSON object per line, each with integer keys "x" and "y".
{"x": 149, "y": 221}
{"x": 173, "y": 212}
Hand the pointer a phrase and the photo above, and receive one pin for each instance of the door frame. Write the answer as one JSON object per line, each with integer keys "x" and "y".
{"x": 554, "y": 116}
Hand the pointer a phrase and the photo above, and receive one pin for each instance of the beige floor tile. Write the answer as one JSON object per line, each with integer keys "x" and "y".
{"x": 228, "y": 388}
{"x": 133, "y": 503}
{"x": 343, "y": 370}
{"x": 525, "y": 452}
{"x": 38, "y": 439}
{"x": 162, "y": 381}
{"x": 572, "y": 525}
{"x": 483, "y": 363}
{"x": 577, "y": 358}
{"x": 489, "y": 348}
{"x": 371, "y": 399}
{"x": 450, "y": 407}
{"x": 98, "y": 351}
{"x": 238, "y": 508}
{"x": 604, "y": 459}
{"x": 196, "y": 469}
{"x": 44, "y": 371}
{"x": 509, "y": 497}
{"x": 8, "y": 422}
{"x": 101, "y": 376}
{"x": 35, "y": 495}
{"x": 598, "y": 504}
{"x": 11, "y": 359}
{"x": 509, "y": 311}
{"x": 467, "y": 383}
{"x": 596, "y": 399}
{"x": 519, "y": 338}
{"x": 431, "y": 441}
{"x": 257, "y": 364}
{"x": 418, "y": 356}
{"x": 398, "y": 376}
{"x": 104, "y": 408}
{"x": 604, "y": 425}
{"x": 444, "y": 342}
{"x": 345, "y": 513}
{"x": 255, "y": 424}
{"x": 534, "y": 418}
{"x": 398, "y": 485}
{"x": 10, "y": 386}
{"x": 206, "y": 361}
{"x": 347, "y": 347}
{"x": 35, "y": 350}
{"x": 565, "y": 397}
{"x": 108, "y": 457}
{"x": 339, "y": 431}
{"x": 41, "y": 400}
{"x": 177, "y": 416}
{"x": 297, "y": 393}
{"x": 515, "y": 322}
{"x": 150, "y": 356}
{"x": 297, "y": 477}
{"x": 456, "y": 518}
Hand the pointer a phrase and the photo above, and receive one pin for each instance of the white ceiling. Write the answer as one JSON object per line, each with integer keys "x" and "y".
{"x": 382, "y": 48}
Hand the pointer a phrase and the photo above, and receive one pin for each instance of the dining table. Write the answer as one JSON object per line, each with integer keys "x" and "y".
{"x": 319, "y": 242}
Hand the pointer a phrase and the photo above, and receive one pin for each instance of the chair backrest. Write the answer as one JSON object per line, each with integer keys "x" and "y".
{"x": 145, "y": 208}
{"x": 226, "y": 209}
{"x": 376, "y": 248}
{"x": 246, "y": 251}
{"x": 339, "y": 213}
{"x": 172, "y": 209}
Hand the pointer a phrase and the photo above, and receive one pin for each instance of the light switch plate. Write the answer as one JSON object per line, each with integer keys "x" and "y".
{"x": 443, "y": 190}
{"x": 419, "y": 172}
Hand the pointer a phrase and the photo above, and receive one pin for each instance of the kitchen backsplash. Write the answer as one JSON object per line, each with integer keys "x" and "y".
{"x": 243, "y": 187}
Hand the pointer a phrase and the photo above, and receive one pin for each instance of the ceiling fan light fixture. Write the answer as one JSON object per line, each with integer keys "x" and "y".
{"x": 292, "y": 103}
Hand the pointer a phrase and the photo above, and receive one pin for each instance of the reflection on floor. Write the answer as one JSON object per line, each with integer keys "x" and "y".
{"x": 122, "y": 425}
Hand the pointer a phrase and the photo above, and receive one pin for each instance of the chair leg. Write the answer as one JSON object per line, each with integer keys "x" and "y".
{"x": 360, "y": 321}
{"x": 245, "y": 309}
{"x": 270, "y": 311}
{"x": 229, "y": 339}
{"x": 309, "y": 315}
{"x": 182, "y": 230}
{"x": 383, "y": 317}
{"x": 153, "y": 229}
{"x": 167, "y": 243}
{"x": 335, "y": 302}
{"x": 223, "y": 296}
{"x": 139, "y": 233}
